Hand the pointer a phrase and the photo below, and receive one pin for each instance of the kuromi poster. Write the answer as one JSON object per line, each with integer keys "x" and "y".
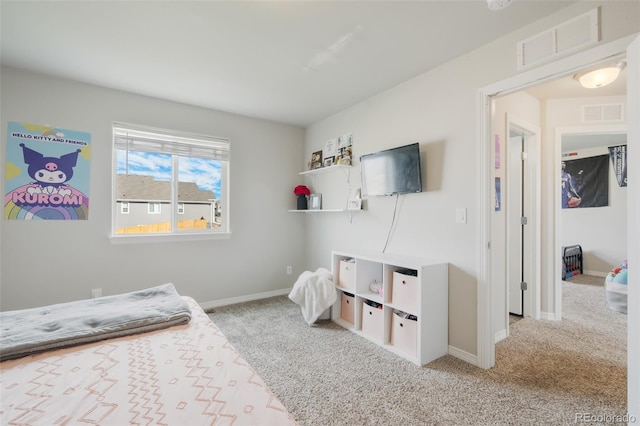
{"x": 47, "y": 173}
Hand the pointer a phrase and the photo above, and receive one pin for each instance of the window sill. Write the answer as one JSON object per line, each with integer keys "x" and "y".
{"x": 163, "y": 238}
{"x": 318, "y": 211}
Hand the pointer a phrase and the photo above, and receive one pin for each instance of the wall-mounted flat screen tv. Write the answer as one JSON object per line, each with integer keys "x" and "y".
{"x": 392, "y": 171}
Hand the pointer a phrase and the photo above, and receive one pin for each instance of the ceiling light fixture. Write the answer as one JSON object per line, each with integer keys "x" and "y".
{"x": 600, "y": 77}
{"x": 498, "y": 4}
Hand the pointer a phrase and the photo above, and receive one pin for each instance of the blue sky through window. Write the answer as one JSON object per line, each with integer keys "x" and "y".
{"x": 204, "y": 172}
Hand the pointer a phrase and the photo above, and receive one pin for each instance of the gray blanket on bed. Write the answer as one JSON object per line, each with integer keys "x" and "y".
{"x": 31, "y": 331}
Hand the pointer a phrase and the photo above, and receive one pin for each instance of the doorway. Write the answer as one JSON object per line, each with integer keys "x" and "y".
{"x": 629, "y": 47}
{"x": 608, "y": 225}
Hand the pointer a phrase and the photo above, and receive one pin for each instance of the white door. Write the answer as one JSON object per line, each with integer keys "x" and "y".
{"x": 523, "y": 260}
{"x": 515, "y": 204}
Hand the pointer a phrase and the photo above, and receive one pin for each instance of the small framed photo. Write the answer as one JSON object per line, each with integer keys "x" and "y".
{"x": 315, "y": 202}
{"x": 316, "y": 160}
{"x": 344, "y": 156}
{"x": 355, "y": 204}
{"x": 329, "y": 151}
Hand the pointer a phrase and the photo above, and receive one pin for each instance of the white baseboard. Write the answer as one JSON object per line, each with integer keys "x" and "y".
{"x": 549, "y": 316}
{"x": 207, "y": 306}
{"x": 595, "y": 273}
{"x": 502, "y": 334}
{"x": 463, "y": 355}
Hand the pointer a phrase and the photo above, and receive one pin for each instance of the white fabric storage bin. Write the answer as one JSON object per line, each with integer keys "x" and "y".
{"x": 405, "y": 293}
{"x": 348, "y": 307}
{"x": 404, "y": 334}
{"x": 372, "y": 322}
{"x": 347, "y": 275}
{"x": 616, "y": 296}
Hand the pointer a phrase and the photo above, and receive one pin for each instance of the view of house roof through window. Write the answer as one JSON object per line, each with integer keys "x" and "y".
{"x": 163, "y": 174}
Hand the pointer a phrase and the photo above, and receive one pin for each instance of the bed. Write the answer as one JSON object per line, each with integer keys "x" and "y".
{"x": 182, "y": 374}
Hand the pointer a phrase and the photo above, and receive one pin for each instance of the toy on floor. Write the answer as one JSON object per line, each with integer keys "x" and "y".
{"x": 618, "y": 274}
{"x": 616, "y": 288}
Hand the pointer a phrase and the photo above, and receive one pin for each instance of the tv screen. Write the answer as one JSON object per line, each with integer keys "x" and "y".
{"x": 392, "y": 171}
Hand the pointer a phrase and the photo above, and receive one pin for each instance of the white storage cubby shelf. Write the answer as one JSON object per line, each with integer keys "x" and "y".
{"x": 317, "y": 172}
{"x": 417, "y": 287}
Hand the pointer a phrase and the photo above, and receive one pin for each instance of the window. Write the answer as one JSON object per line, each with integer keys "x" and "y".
{"x": 153, "y": 208}
{"x": 173, "y": 174}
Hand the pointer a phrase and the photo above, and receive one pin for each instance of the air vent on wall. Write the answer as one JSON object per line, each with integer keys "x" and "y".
{"x": 599, "y": 113}
{"x": 581, "y": 31}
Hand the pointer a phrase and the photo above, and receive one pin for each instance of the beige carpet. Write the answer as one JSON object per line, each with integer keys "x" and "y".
{"x": 546, "y": 372}
{"x": 586, "y": 279}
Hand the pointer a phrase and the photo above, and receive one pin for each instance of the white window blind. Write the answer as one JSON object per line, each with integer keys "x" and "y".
{"x": 146, "y": 139}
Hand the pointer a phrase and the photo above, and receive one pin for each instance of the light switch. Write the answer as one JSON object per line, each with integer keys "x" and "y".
{"x": 461, "y": 215}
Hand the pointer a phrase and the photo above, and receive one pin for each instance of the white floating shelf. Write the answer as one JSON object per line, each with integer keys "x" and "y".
{"x": 325, "y": 169}
{"x": 320, "y": 211}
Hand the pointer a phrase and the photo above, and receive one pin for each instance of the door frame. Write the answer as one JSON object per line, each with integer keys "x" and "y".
{"x": 484, "y": 186}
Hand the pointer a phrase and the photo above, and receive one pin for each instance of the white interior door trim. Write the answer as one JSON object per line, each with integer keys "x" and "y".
{"x": 560, "y": 68}
{"x": 633, "y": 229}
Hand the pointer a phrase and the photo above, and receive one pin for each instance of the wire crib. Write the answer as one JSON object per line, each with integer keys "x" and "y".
{"x": 572, "y": 261}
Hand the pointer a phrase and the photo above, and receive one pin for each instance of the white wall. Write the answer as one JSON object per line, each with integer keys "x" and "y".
{"x": 633, "y": 244}
{"x": 58, "y": 261}
{"x": 437, "y": 109}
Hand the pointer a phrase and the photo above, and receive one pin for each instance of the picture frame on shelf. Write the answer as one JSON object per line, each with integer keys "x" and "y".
{"x": 329, "y": 152}
{"x": 316, "y": 160}
{"x": 355, "y": 204}
{"x": 315, "y": 202}
{"x": 344, "y": 156}
{"x": 344, "y": 150}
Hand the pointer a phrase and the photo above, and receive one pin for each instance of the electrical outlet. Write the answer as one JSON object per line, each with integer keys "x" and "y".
{"x": 96, "y": 292}
{"x": 289, "y": 270}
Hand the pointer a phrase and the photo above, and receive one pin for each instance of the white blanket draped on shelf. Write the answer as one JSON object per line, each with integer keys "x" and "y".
{"x": 314, "y": 292}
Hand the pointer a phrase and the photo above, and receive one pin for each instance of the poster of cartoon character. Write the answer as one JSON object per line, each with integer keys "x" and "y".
{"x": 47, "y": 173}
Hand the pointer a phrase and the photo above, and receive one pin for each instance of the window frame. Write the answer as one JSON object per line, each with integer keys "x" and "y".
{"x": 151, "y": 207}
{"x": 201, "y": 142}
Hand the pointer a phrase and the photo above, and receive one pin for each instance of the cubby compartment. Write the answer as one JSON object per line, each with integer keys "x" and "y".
{"x": 418, "y": 287}
{"x": 405, "y": 290}
{"x": 404, "y": 332}
{"x": 348, "y": 307}
{"x": 372, "y": 320}
{"x": 347, "y": 275}
{"x": 368, "y": 273}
